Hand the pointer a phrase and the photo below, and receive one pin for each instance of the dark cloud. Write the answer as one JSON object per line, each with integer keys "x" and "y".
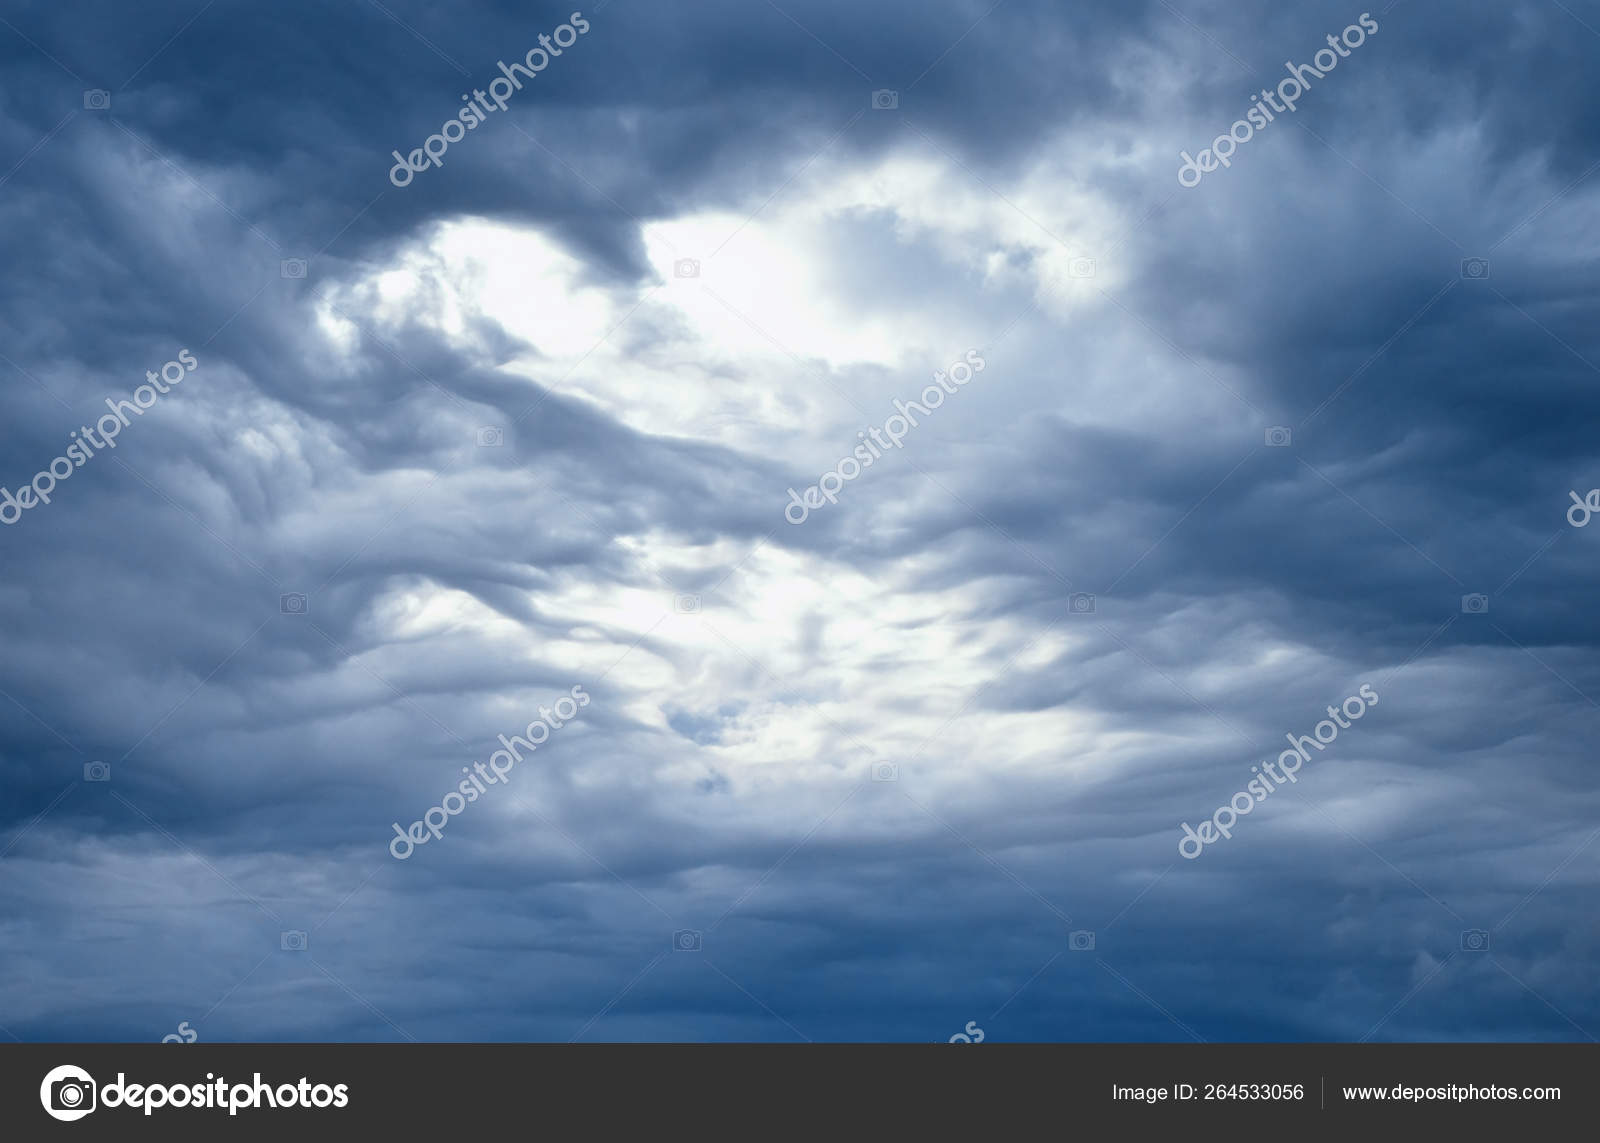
{"x": 754, "y": 682}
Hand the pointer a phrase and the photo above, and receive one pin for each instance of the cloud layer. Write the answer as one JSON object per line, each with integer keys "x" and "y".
{"x": 531, "y": 422}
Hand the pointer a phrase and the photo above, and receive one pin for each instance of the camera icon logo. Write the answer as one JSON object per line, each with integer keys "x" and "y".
{"x": 293, "y": 940}
{"x": 292, "y": 604}
{"x": 97, "y": 771}
{"x": 97, "y": 99}
{"x": 1474, "y": 604}
{"x": 68, "y": 1093}
{"x": 1475, "y": 268}
{"x": 491, "y": 437}
{"x": 1080, "y": 940}
{"x": 686, "y": 940}
{"x": 292, "y": 268}
{"x": 885, "y": 771}
{"x": 1080, "y": 603}
{"x": 885, "y": 100}
{"x": 1280, "y": 436}
{"x": 1081, "y": 268}
{"x": 686, "y": 268}
{"x": 686, "y": 604}
{"x": 1475, "y": 940}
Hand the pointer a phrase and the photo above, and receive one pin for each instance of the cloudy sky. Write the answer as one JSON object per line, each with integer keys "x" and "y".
{"x": 530, "y": 422}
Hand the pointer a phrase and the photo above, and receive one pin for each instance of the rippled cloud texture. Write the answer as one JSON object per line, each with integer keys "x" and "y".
{"x": 531, "y": 423}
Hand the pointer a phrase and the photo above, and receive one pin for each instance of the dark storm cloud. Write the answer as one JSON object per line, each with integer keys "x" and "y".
{"x": 279, "y": 747}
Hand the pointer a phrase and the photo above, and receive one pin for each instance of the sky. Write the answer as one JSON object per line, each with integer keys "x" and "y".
{"x": 803, "y": 521}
